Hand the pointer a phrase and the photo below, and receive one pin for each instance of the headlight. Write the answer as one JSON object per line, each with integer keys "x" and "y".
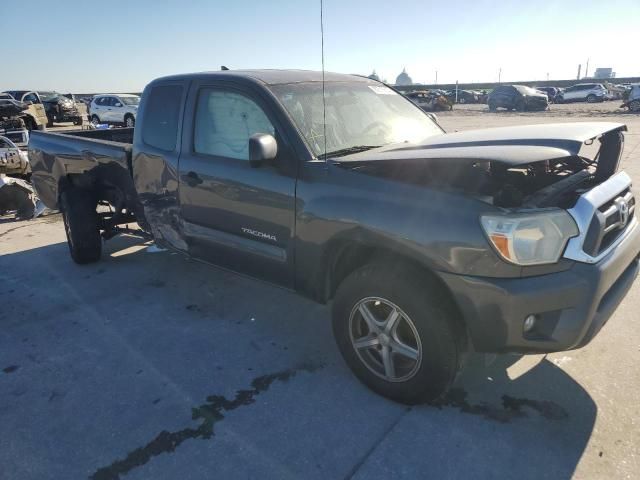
{"x": 530, "y": 238}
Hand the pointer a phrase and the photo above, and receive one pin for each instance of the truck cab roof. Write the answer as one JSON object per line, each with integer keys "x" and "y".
{"x": 271, "y": 76}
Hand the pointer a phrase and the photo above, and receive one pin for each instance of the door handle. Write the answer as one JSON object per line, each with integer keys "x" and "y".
{"x": 192, "y": 179}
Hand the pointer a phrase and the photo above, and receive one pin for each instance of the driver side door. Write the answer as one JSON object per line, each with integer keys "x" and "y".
{"x": 235, "y": 215}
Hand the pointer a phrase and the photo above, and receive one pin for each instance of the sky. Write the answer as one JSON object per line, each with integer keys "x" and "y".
{"x": 90, "y": 46}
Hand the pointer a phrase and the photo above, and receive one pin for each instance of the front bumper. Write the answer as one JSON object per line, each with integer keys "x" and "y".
{"x": 68, "y": 115}
{"x": 537, "y": 104}
{"x": 571, "y": 306}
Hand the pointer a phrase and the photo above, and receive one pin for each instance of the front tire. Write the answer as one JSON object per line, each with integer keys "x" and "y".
{"x": 95, "y": 120}
{"x": 396, "y": 332}
{"x": 492, "y": 107}
{"x": 592, "y": 98}
{"x": 81, "y": 225}
{"x": 634, "y": 106}
{"x": 129, "y": 121}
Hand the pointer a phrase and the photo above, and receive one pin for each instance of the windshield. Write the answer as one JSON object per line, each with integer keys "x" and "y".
{"x": 526, "y": 90}
{"x": 130, "y": 100}
{"x": 46, "y": 96}
{"x": 358, "y": 114}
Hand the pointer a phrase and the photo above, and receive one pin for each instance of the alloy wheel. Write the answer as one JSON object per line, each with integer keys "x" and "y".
{"x": 385, "y": 339}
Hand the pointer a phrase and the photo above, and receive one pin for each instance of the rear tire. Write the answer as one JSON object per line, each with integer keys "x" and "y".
{"x": 492, "y": 107}
{"x": 81, "y": 225}
{"x": 424, "y": 371}
{"x": 634, "y": 106}
{"x": 129, "y": 121}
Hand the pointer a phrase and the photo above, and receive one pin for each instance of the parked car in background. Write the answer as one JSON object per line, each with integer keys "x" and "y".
{"x": 464, "y": 96}
{"x": 551, "y": 92}
{"x": 633, "y": 101}
{"x": 482, "y": 96}
{"x": 114, "y": 108}
{"x": 583, "y": 92}
{"x": 430, "y": 100}
{"x": 615, "y": 92}
{"x": 60, "y": 108}
{"x": 35, "y": 115}
{"x": 517, "y": 97}
{"x": 13, "y": 161}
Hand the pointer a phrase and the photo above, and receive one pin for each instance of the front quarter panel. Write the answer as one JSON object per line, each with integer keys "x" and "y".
{"x": 439, "y": 230}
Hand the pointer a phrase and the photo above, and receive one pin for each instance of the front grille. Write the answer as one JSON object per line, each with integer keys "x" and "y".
{"x": 609, "y": 221}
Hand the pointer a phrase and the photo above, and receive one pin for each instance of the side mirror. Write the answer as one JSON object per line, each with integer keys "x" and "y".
{"x": 432, "y": 116}
{"x": 262, "y": 147}
{"x": 118, "y": 104}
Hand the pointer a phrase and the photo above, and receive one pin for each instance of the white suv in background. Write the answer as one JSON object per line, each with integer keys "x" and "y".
{"x": 591, "y": 92}
{"x": 111, "y": 108}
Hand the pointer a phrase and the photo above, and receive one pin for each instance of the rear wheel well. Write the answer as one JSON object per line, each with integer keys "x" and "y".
{"x": 112, "y": 203}
{"x": 350, "y": 257}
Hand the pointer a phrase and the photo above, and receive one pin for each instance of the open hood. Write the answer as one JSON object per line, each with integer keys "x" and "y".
{"x": 512, "y": 146}
{"x": 534, "y": 165}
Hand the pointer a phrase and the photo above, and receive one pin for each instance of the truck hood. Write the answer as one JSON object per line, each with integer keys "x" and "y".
{"x": 512, "y": 146}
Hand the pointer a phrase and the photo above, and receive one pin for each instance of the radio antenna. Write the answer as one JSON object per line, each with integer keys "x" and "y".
{"x": 324, "y": 102}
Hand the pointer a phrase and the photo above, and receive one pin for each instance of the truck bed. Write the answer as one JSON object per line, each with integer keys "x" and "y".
{"x": 80, "y": 156}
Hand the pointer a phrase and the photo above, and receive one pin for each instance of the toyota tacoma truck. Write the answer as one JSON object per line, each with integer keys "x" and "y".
{"x": 427, "y": 244}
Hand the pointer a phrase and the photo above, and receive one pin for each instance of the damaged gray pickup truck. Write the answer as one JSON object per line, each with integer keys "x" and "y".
{"x": 429, "y": 244}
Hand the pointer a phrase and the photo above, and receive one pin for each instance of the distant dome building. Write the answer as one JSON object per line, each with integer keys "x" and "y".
{"x": 404, "y": 78}
{"x": 374, "y": 76}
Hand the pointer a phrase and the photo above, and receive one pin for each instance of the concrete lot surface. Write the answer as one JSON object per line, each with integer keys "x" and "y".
{"x": 149, "y": 366}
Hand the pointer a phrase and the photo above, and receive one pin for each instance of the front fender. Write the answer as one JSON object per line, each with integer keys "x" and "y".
{"x": 439, "y": 230}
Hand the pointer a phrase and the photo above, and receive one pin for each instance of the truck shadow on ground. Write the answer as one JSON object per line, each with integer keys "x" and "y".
{"x": 207, "y": 333}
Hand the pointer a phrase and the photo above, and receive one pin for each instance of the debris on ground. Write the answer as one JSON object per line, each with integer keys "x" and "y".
{"x": 155, "y": 249}
{"x": 17, "y": 195}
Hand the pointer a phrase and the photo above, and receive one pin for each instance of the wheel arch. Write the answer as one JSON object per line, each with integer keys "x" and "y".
{"x": 345, "y": 256}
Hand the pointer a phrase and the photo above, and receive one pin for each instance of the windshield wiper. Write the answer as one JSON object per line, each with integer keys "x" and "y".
{"x": 349, "y": 150}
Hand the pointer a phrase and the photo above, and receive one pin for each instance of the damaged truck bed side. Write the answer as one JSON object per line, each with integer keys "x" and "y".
{"x": 428, "y": 244}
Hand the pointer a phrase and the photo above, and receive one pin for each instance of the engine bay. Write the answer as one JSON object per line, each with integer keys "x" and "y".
{"x": 546, "y": 183}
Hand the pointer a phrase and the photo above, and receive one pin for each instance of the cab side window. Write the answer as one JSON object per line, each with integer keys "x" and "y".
{"x": 224, "y": 122}
{"x": 162, "y": 116}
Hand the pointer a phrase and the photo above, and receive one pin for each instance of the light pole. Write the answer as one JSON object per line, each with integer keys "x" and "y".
{"x": 499, "y": 74}
{"x": 586, "y": 70}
